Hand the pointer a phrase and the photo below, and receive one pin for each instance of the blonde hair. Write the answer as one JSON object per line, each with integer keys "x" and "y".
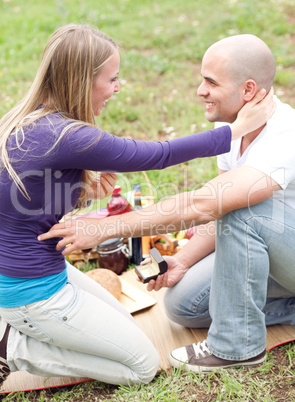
{"x": 72, "y": 58}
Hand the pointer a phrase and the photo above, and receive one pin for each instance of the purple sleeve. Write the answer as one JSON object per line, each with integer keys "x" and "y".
{"x": 114, "y": 154}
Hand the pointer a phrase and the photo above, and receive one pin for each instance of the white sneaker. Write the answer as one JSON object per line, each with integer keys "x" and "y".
{"x": 199, "y": 358}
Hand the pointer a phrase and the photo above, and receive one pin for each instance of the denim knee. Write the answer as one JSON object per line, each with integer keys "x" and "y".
{"x": 171, "y": 304}
{"x": 187, "y": 302}
{"x": 263, "y": 214}
{"x": 192, "y": 312}
{"x": 149, "y": 368}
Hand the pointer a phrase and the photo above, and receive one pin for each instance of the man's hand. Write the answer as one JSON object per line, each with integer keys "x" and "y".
{"x": 79, "y": 233}
{"x": 175, "y": 272}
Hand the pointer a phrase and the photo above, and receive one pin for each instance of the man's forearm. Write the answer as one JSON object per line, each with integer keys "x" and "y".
{"x": 233, "y": 190}
{"x": 173, "y": 214}
{"x": 230, "y": 191}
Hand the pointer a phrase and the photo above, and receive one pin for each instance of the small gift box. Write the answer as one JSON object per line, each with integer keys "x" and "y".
{"x": 158, "y": 266}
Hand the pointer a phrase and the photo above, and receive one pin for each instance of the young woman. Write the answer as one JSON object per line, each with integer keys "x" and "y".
{"x": 55, "y": 321}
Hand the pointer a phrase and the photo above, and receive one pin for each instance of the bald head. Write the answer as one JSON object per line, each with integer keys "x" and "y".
{"x": 246, "y": 57}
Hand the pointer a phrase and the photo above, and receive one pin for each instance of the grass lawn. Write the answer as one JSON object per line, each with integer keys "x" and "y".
{"x": 162, "y": 46}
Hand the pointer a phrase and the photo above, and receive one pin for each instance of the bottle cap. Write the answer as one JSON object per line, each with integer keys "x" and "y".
{"x": 117, "y": 190}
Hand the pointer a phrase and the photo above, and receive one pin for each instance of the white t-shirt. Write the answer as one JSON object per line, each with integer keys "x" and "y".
{"x": 272, "y": 152}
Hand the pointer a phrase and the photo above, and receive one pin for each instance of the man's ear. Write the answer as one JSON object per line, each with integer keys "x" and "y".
{"x": 250, "y": 89}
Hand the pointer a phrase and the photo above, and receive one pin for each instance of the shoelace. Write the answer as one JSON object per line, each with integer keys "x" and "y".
{"x": 201, "y": 349}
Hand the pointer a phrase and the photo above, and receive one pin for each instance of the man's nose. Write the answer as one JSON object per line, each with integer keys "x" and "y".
{"x": 202, "y": 90}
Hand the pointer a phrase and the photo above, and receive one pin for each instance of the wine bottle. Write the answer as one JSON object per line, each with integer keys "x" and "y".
{"x": 136, "y": 242}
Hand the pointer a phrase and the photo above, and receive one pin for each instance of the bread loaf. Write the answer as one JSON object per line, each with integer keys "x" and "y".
{"x": 107, "y": 279}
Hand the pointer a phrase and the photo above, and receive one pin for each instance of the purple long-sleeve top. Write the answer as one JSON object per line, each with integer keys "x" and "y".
{"x": 52, "y": 180}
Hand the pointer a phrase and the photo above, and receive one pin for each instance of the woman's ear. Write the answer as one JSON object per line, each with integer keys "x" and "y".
{"x": 250, "y": 89}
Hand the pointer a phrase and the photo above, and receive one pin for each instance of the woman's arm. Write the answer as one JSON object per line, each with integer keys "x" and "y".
{"x": 91, "y": 149}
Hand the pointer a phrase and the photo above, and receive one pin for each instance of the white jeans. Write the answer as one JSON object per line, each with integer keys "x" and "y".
{"x": 81, "y": 331}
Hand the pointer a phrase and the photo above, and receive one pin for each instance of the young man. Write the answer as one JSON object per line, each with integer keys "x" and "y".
{"x": 250, "y": 280}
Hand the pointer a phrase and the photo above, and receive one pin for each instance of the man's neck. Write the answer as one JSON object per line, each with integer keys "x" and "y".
{"x": 249, "y": 138}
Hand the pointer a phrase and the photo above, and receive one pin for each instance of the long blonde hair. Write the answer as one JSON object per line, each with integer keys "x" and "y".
{"x": 63, "y": 83}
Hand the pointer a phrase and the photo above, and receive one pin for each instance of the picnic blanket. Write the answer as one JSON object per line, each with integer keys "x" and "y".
{"x": 148, "y": 310}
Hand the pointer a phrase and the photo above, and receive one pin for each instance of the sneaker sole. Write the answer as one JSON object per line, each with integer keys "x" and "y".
{"x": 202, "y": 369}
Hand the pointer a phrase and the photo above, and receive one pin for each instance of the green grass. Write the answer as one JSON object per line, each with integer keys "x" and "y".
{"x": 273, "y": 381}
{"x": 162, "y": 46}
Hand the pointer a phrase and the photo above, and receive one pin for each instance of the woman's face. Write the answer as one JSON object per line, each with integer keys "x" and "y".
{"x": 105, "y": 83}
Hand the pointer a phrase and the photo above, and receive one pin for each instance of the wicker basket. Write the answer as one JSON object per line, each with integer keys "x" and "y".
{"x": 167, "y": 246}
{"x": 79, "y": 257}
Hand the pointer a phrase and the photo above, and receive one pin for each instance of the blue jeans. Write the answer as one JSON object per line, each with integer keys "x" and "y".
{"x": 248, "y": 283}
{"x": 81, "y": 331}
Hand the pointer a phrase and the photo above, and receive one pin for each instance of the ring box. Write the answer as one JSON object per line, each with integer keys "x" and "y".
{"x": 158, "y": 266}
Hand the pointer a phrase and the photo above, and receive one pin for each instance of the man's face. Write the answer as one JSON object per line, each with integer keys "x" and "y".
{"x": 223, "y": 97}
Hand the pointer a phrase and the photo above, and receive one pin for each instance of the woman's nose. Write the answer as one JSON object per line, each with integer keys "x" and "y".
{"x": 117, "y": 87}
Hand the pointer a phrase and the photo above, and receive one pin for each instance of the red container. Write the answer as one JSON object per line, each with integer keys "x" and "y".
{"x": 118, "y": 204}
{"x": 113, "y": 255}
